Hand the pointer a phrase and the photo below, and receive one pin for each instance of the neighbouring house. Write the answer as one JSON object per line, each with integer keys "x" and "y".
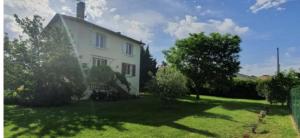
{"x": 265, "y": 77}
{"x": 97, "y": 45}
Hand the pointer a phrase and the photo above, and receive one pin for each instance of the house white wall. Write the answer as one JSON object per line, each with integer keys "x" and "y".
{"x": 84, "y": 37}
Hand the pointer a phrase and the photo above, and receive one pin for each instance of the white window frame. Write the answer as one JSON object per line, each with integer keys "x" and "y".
{"x": 100, "y": 41}
{"x": 97, "y": 61}
{"x": 129, "y": 49}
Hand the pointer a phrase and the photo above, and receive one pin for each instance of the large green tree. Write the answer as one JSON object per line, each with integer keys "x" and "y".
{"x": 44, "y": 63}
{"x": 208, "y": 60}
{"x": 148, "y": 67}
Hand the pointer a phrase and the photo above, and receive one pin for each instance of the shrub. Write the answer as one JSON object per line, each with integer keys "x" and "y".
{"x": 168, "y": 84}
{"x": 263, "y": 88}
{"x": 236, "y": 89}
{"x": 10, "y": 97}
{"x": 106, "y": 84}
{"x": 243, "y": 89}
{"x": 111, "y": 96}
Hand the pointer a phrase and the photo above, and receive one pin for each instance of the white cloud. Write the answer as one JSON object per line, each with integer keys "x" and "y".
{"x": 24, "y": 8}
{"x": 28, "y": 7}
{"x": 198, "y": 7}
{"x": 67, "y": 10}
{"x": 190, "y": 24}
{"x": 266, "y": 4}
{"x": 280, "y": 9}
{"x": 290, "y": 51}
{"x": 95, "y": 8}
{"x": 11, "y": 24}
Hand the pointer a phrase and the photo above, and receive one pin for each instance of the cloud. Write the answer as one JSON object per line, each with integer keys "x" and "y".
{"x": 190, "y": 24}
{"x": 138, "y": 25}
{"x": 290, "y": 51}
{"x": 28, "y": 7}
{"x": 198, "y": 7}
{"x": 67, "y": 10}
{"x": 11, "y": 24}
{"x": 95, "y": 8}
{"x": 266, "y": 4}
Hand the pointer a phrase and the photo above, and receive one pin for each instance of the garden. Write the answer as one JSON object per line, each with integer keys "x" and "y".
{"x": 194, "y": 93}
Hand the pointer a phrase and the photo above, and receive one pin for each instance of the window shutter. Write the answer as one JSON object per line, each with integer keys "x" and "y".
{"x": 131, "y": 50}
{"x": 104, "y": 41}
{"x": 94, "y": 61}
{"x": 97, "y": 40}
{"x": 133, "y": 70}
{"x": 101, "y": 41}
{"x": 105, "y": 61}
{"x": 123, "y": 68}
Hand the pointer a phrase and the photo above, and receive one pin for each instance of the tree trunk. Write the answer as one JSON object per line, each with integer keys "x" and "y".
{"x": 197, "y": 96}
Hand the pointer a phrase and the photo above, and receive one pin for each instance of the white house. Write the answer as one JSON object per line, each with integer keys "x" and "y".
{"x": 96, "y": 45}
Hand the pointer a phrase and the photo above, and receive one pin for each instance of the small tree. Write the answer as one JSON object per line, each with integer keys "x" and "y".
{"x": 168, "y": 84}
{"x": 148, "y": 67}
{"x": 263, "y": 88}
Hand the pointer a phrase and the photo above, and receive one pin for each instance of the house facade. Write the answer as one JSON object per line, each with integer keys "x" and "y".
{"x": 96, "y": 46}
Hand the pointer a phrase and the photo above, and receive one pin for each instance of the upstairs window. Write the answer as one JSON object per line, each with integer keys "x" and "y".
{"x": 99, "y": 61}
{"x": 100, "y": 41}
{"x": 129, "y": 49}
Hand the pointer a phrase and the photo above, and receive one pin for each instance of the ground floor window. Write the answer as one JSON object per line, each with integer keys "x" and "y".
{"x": 97, "y": 61}
{"x": 128, "y": 69}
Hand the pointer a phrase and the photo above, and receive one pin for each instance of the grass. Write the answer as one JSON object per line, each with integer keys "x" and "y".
{"x": 146, "y": 117}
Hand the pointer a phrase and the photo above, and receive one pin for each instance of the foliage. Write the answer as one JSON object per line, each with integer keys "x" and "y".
{"x": 147, "y": 67}
{"x": 279, "y": 89}
{"x": 168, "y": 84}
{"x": 46, "y": 64}
{"x": 111, "y": 96}
{"x": 262, "y": 88}
{"x": 104, "y": 78}
{"x": 101, "y": 74}
{"x": 295, "y": 106}
{"x": 10, "y": 97}
{"x": 245, "y": 89}
{"x": 121, "y": 77}
{"x": 208, "y": 60}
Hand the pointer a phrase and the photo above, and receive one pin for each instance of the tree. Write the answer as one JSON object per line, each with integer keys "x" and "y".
{"x": 148, "y": 67}
{"x": 168, "y": 84}
{"x": 48, "y": 66}
{"x": 208, "y": 60}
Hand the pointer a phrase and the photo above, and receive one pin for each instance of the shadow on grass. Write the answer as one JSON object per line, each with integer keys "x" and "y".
{"x": 69, "y": 120}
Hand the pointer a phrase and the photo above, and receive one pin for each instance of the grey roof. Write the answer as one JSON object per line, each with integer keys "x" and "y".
{"x": 56, "y": 17}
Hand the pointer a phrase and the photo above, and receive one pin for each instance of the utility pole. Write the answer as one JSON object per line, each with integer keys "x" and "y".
{"x": 278, "y": 65}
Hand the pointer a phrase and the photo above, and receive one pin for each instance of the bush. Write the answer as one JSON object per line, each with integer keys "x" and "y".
{"x": 168, "y": 84}
{"x": 263, "y": 88}
{"x": 10, "y": 97}
{"x": 106, "y": 84}
{"x": 245, "y": 89}
{"x": 111, "y": 96}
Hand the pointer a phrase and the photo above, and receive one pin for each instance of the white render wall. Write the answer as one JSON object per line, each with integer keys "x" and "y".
{"x": 85, "y": 40}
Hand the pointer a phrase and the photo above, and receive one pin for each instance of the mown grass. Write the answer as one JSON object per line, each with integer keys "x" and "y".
{"x": 147, "y": 117}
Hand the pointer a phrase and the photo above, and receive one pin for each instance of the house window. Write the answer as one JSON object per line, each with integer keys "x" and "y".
{"x": 129, "y": 49}
{"x": 100, "y": 41}
{"x": 128, "y": 69}
{"x": 99, "y": 61}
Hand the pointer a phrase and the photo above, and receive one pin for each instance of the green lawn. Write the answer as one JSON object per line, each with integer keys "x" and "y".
{"x": 145, "y": 117}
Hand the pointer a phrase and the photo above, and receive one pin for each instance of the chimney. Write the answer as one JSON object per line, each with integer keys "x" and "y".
{"x": 80, "y": 9}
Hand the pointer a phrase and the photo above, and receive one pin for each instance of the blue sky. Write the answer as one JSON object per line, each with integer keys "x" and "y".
{"x": 262, "y": 24}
